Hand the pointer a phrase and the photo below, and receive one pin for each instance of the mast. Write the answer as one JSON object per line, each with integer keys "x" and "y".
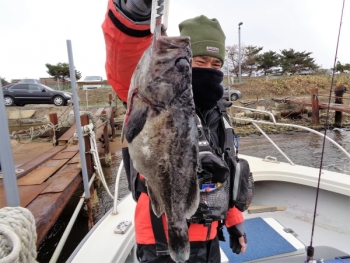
{"x": 6, "y": 158}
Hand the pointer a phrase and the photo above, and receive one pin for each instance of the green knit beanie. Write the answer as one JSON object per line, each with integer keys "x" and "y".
{"x": 207, "y": 37}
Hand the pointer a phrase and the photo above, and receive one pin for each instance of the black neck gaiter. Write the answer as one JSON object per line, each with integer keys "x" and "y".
{"x": 206, "y": 87}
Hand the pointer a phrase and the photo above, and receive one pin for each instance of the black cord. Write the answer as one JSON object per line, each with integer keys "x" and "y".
{"x": 310, "y": 249}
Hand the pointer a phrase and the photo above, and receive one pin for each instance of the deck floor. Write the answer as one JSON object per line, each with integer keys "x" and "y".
{"x": 48, "y": 178}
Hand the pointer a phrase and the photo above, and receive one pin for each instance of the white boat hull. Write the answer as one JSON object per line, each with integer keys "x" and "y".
{"x": 277, "y": 184}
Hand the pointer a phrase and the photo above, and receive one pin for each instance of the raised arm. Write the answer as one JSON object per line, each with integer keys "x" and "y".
{"x": 127, "y": 36}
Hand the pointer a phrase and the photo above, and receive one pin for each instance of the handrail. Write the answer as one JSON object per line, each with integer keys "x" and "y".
{"x": 86, "y": 130}
{"x": 116, "y": 190}
{"x": 275, "y": 145}
{"x": 262, "y": 111}
{"x": 287, "y": 125}
{"x": 69, "y": 227}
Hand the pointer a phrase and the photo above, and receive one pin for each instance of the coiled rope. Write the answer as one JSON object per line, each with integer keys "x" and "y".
{"x": 34, "y": 132}
{"x": 17, "y": 235}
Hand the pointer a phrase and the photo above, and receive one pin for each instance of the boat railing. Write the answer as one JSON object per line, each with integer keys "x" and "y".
{"x": 116, "y": 190}
{"x": 69, "y": 227}
{"x": 274, "y": 122}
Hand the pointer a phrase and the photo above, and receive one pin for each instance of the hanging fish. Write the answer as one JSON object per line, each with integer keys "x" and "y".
{"x": 162, "y": 137}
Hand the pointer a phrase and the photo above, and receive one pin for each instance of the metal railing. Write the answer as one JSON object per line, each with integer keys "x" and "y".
{"x": 255, "y": 123}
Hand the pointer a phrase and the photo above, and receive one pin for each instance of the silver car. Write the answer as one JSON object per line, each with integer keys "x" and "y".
{"x": 234, "y": 94}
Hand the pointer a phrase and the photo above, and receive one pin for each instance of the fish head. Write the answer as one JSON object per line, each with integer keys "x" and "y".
{"x": 164, "y": 72}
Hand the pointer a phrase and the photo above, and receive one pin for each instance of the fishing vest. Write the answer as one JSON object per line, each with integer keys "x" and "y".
{"x": 219, "y": 165}
{"x": 214, "y": 175}
{"x": 224, "y": 180}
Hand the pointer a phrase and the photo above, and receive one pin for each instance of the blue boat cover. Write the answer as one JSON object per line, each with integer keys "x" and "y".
{"x": 263, "y": 241}
{"x": 339, "y": 260}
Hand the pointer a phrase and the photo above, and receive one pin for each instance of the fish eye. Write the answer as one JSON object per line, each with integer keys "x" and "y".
{"x": 182, "y": 65}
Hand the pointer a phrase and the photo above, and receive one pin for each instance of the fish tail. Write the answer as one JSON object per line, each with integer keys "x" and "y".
{"x": 179, "y": 245}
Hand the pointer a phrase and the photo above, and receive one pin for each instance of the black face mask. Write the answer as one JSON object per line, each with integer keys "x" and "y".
{"x": 206, "y": 87}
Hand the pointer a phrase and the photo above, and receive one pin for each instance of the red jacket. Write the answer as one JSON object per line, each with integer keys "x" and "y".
{"x": 122, "y": 50}
{"x": 196, "y": 232}
{"x": 125, "y": 44}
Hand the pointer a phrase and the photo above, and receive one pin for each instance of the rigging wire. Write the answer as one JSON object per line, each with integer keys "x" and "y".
{"x": 310, "y": 249}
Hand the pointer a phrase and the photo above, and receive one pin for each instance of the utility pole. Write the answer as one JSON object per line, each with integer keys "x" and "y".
{"x": 228, "y": 76}
{"x": 239, "y": 52}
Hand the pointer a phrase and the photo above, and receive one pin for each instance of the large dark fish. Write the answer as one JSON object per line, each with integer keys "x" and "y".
{"x": 162, "y": 137}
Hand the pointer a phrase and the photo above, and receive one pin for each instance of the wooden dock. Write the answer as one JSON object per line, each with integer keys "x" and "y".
{"x": 332, "y": 106}
{"x": 48, "y": 181}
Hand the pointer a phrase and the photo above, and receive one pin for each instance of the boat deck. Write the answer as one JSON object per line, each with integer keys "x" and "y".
{"x": 48, "y": 180}
{"x": 280, "y": 235}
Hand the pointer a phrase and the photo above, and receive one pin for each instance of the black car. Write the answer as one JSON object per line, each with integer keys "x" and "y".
{"x": 21, "y": 94}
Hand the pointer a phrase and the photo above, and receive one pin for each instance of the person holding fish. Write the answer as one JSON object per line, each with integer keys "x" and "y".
{"x": 169, "y": 126}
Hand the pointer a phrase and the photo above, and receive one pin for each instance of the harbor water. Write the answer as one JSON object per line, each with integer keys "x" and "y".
{"x": 301, "y": 147}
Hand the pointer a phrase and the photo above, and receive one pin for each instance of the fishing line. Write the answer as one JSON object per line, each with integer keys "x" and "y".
{"x": 310, "y": 249}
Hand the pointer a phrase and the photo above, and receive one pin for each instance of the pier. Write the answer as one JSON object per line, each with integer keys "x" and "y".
{"x": 316, "y": 105}
{"x": 306, "y": 102}
{"x": 48, "y": 180}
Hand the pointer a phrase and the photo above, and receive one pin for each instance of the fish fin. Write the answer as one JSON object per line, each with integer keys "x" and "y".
{"x": 192, "y": 201}
{"x": 155, "y": 204}
{"x": 136, "y": 121}
{"x": 178, "y": 243}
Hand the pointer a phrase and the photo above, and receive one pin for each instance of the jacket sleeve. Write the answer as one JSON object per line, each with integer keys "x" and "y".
{"x": 125, "y": 43}
{"x": 233, "y": 217}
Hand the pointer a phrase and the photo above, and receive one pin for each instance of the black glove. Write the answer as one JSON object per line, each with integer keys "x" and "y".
{"x": 236, "y": 232}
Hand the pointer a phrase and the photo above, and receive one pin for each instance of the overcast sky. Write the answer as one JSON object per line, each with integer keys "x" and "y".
{"x": 34, "y": 32}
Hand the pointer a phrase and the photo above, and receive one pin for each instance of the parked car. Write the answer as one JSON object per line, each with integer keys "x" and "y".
{"x": 89, "y": 85}
{"x": 93, "y": 78}
{"x": 235, "y": 94}
{"x": 21, "y": 94}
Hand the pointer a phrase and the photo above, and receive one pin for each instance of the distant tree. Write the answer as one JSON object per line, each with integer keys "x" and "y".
{"x": 60, "y": 71}
{"x": 232, "y": 59}
{"x": 294, "y": 62}
{"x": 347, "y": 66}
{"x": 267, "y": 62}
{"x": 339, "y": 67}
{"x": 4, "y": 82}
{"x": 249, "y": 59}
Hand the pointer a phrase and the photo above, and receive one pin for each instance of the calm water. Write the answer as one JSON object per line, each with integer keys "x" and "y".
{"x": 301, "y": 148}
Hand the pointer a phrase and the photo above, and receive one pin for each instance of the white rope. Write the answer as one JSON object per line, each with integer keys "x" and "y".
{"x": 10, "y": 248}
{"x": 17, "y": 235}
{"x": 32, "y": 133}
{"x": 91, "y": 117}
{"x": 89, "y": 129}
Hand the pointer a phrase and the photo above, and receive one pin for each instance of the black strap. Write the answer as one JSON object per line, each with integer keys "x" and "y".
{"x": 127, "y": 30}
{"x": 159, "y": 234}
{"x": 126, "y": 159}
{"x": 141, "y": 185}
{"x": 135, "y": 185}
{"x": 221, "y": 106}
